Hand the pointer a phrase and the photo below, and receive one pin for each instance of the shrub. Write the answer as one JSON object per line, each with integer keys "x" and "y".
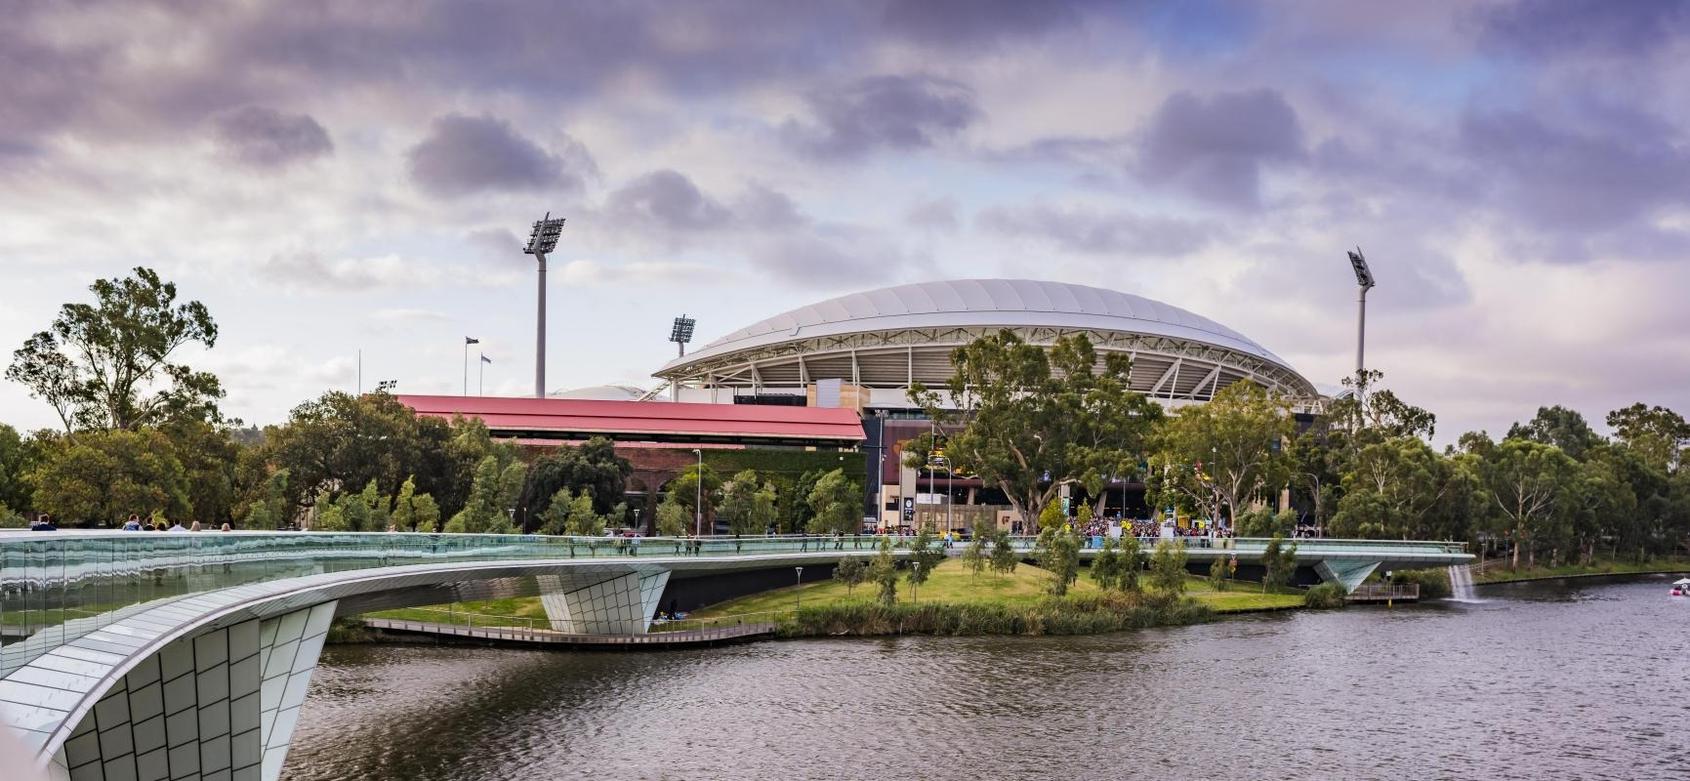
{"x": 1325, "y": 596}
{"x": 1073, "y": 615}
{"x": 1434, "y": 583}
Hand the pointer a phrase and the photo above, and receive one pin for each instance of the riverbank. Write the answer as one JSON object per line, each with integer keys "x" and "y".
{"x": 1669, "y": 566}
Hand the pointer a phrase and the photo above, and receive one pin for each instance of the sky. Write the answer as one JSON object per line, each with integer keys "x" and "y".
{"x": 331, "y": 177}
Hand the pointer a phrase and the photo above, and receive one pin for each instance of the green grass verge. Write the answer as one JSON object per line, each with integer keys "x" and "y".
{"x": 1502, "y": 574}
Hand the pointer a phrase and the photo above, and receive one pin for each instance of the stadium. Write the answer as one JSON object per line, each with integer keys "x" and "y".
{"x": 876, "y": 343}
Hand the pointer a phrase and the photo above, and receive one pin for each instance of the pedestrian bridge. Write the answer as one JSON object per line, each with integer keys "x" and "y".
{"x": 149, "y": 655}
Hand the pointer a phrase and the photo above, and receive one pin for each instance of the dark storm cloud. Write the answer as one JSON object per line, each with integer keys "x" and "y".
{"x": 1117, "y": 233}
{"x": 883, "y": 112}
{"x": 463, "y": 155}
{"x": 266, "y": 138}
{"x": 1593, "y": 172}
{"x": 762, "y": 206}
{"x": 1215, "y": 149}
{"x": 1559, "y": 28}
{"x": 669, "y": 201}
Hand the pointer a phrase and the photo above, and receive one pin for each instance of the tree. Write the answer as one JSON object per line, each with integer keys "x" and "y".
{"x": 107, "y": 365}
{"x": 850, "y": 571}
{"x": 594, "y": 467}
{"x": 1527, "y": 482}
{"x": 1131, "y": 563}
{"x": 1167, "y": 568}
{"x": 684, "y": 489}
{"x": 99, "y": 477}
{"x": 483, "y": 513}
{"x": 11, "y": 519}
{"x": 1004, "y": 556}
{"x": 1220, "y": 570}
{"x": 1278, "y": 562}
{"x": 673, "y": 519}
{"x": 341, "y": 442}
{"x": 1395, "y": 488}
{"x": 583, "y": 519}
{"x": 1033, "y": 420}
{"x": 378, "y": 508}
{"x": 1106, "y": 566}
{"x": 837, "y": 503}
{"x": 974, "y": 556}
{"x": 884, "y": 573}
{"x": 748, "y": 503}
{"x": 925, "y": 555}
{"x": 208, "y": 456}
{"x": 1657, "y": 434}
{"x": 15, "y": 491}
{"x": 1222, "y": 454}
{"x": 1564, "y": 428}
{"x": 404, "y": 506}
{"x": 270, "y": 510}
{"x": 1058, "y": 550}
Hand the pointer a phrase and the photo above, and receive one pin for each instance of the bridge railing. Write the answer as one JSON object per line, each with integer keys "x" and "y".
{"x": 73, "y": 583}
{"x": 1313, "y": 546}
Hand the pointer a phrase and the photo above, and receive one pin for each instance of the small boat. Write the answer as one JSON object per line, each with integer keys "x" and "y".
{"x": 1681, "y": 587}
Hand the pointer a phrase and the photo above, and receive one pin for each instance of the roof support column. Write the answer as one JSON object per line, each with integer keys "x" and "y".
{"x": 609, "y": 605}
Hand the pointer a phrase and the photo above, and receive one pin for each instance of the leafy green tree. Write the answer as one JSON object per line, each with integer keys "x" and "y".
{"x": 1220, "y": 571}
{"x": 673, "y": 518}
{"x": 107, "y": 365}
{"x": 851, "y": 572}
{"x": 1657, "y": 434}
{"x": 1222, "y": 454}
{"x": 1131, "y": 563}
{"x": 15, "y": 491}
{"x": 377, "y": 507}
{"x": 1528, "y": 483}
{"x": 1394, "y": 488}
{"x": 11, "y": 519}
{"x": 484, "y": 513}
{"x": 748, "y": 502}
{"x": 1167, "y": 568}
{"x": 684, "y": 489}
{"x": 837, "y": 504}
{"x": 342, "y": 442}
{"x": 1559, "y": 426}
{"x": 974, "y": 557}
{"x": 1106, "y": 566}
{"x": 594, "y": 467}
{"x": 270, "y": 509}
{"x": 98, "y": 477}
{"x": 404, "y": 506}
{"x": 208, "y": 455}
{"x": 883, "y": 572}
{"x": 331, "y": 518}
{"x": 583, "y": 520}
{"x": 1032, "y": 420}
{"x": 353, "y": 513}
{"x": 925, "y": 556}
{"x": 1058, "y": 550}
{"x": 1278, "y": 562}
{"x": 1004, "y": 556}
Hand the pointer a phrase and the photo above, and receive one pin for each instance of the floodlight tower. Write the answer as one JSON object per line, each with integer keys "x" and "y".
{"x": 1364, "y": 280}
{"x": 681, "y": 333}
{"x": 541, "y": 241}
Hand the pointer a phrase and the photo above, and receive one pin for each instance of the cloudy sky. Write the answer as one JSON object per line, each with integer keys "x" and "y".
{"x": 331, "y": 176}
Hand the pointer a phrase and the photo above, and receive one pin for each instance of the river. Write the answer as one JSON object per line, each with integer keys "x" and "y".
{"x": 1549, "y": 680}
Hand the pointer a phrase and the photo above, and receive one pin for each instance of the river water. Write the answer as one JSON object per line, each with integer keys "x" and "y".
{"x": 1553, "y": 680}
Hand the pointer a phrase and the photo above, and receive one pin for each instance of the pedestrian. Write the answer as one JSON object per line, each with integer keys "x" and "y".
{"x": 43, "y": 523}
{"x": 133, "y": 524}
{"x": 176, "y": 526}
{"x": 226, "y": 527}
{"x": 195, "y": 527}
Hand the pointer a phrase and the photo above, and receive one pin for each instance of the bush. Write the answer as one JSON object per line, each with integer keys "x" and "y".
{"x": 1434, "y": 583}
{"x": 1073, "y": 615}
{"x": 1325, "y": 596}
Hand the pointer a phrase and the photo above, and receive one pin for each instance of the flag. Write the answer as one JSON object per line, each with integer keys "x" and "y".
{"x": 485, "y": 359}
{"x": 471, "y": 340}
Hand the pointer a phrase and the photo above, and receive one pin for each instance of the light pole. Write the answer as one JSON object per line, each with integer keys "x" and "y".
{"x": 698, "y": 498}
{"x": 542, "y": 240}
{"x": 680, "y": 333}
{"x": 798, "y": 596}
{"x": 1364, "y": 280}
{"x": 468, "y": 340}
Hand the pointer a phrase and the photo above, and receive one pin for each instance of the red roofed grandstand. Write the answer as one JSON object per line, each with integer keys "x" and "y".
{"x": 572, "y": 420}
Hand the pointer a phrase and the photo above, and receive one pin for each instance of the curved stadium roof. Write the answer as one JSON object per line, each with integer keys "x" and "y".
{"x": 950, "y": 311}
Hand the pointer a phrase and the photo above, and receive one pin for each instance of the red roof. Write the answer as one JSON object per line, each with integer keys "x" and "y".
{"x": 647, "y": 420}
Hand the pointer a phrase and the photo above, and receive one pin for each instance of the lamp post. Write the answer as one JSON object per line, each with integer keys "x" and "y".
{"x": 698, "y": 499}
{"x": 915, "y": 582}
{"x": 1364, "y": 281}
{"x": 798, "y": 596}
{"x": 541, "y": 241}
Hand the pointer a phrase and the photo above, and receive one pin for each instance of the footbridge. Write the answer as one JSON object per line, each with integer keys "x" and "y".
{"x": 151, "y": 656}
{"x": 1345, "y": 562}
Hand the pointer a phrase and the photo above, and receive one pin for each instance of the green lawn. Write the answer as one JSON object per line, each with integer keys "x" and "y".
{"x": 1502, "y": 574}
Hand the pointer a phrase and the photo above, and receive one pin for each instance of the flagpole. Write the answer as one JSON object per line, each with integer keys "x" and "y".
{"x": 481, "y": 376}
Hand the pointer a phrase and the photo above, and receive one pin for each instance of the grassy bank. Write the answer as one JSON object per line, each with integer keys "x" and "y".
{"x": 1500, "y": 574}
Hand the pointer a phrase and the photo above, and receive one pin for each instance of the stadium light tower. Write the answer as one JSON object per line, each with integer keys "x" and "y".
{"x": 541, "y": 241}
{"x": 1364, "y": 280}
{"x": 681, "y": 333}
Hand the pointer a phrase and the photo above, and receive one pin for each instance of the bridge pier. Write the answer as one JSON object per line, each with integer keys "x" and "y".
{"x": 1348, "y": 573}
{"x": 613, "y": 605}
{"x": 218, "y": 705}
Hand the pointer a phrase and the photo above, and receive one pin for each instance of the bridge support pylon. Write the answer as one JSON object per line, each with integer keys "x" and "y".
{"x": 1348, "y": 573}
{"x": 615, "y": 604}
{"x": 218, "y": 705}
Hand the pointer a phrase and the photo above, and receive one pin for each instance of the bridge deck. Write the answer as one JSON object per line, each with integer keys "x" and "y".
{"x": 547, "y": 637}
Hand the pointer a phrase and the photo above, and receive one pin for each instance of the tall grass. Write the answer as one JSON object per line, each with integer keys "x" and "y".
{"x": 1070, "y": 615}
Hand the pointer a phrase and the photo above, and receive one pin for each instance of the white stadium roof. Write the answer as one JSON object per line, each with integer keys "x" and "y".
{"x": 886, "y": 337}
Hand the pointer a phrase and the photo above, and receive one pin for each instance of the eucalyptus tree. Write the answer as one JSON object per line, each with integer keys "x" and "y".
{"x": 1221, "y": 455}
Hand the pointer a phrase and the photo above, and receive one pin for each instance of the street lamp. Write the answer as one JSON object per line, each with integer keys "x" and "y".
{"x": 798, "y": 596}
{"x": 542, "y": 240}
{"x": 698, "y": 499}
{"x": 1364, "y": 280}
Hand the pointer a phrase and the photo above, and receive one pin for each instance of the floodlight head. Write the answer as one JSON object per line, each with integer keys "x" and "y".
{"x": 543, "y": 239}
{"x": 681, "y": 332}
{"x": 1364, "y": 277}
